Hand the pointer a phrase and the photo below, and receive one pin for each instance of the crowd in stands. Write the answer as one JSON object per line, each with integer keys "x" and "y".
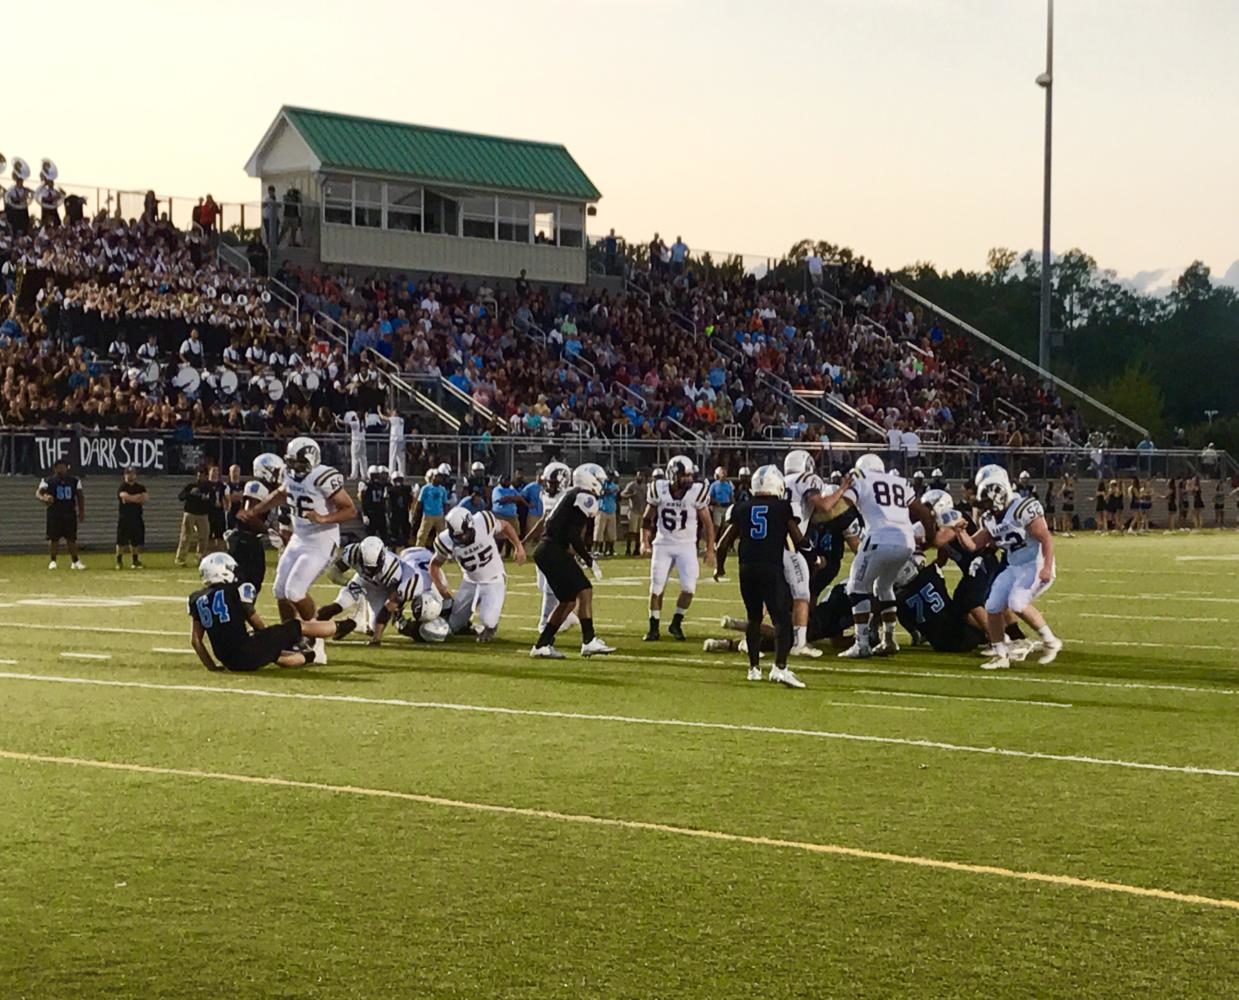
{"x": 100, "y": 317}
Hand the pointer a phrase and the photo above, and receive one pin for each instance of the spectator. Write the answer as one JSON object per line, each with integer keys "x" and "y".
{"x": 197, "y": 499}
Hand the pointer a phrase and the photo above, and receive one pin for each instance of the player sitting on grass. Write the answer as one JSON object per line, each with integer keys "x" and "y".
{"x": 828, "y": 622}
{"x": 222, "y": 610}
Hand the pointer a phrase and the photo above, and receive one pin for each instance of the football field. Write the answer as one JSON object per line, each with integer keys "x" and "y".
{"x": 462, "y": 821}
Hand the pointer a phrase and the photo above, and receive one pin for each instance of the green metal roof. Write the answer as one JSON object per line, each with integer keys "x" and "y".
{"x": 346, "y": 142}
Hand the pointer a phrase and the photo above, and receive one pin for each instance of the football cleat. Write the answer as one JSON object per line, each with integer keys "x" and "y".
{"x": 718, "y": 646}
{"x": 1017, "y": 651}
{"x": 486, "y": 635}
{"x": 77, "y": 564}
{"x": 999, "y": 662}
{"x": 743, "y": 647}
{"x": 754, "y": 673}
{"x": 596, "y": 647}
{"x": 810, "y": 651}
{"x": 676, "y": 632}
{"x": 651, "y": 636}
{"x": 52, "y": 564}
{"x": 784, "y": 676}
{"x": 545, "y": 653}
{"x": 1049, "y": 651}
{"x": 320, "y": 651}
{"x": 734, "y": 624}
{"x": 856, "y": 652}
{"x": 887, "y": 647}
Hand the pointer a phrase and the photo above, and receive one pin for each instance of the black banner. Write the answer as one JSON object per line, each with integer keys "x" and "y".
{"x": 100, "y": 452}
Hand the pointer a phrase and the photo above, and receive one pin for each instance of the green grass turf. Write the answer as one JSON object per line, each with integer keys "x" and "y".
{"x": 120, "y": 884}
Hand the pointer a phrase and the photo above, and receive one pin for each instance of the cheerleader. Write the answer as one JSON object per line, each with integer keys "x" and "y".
{"x": 1114, "y": 506}
{"x": 1100, "y": 507}
{"x": 1050, "y": 506}
{"x": 1067, "y": 504}
{"x": 1219, "y": 504}
{"x": 1198, "y": 502}
{"x": 1172, "y": 503}
{"x": 1146, "y": 505}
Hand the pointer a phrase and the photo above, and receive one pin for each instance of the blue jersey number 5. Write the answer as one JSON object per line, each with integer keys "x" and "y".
{"x": 758, "y": 530}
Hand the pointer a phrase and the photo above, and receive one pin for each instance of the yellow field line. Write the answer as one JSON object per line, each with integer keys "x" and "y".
{"x": 1069, "y": 881}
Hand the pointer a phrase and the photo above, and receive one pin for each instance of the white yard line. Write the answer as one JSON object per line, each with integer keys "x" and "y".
{"x": 87, "y": 656}
{"x": 39, "y": 626}
{"x": 172, "y": 649}
{"x": 1172, "y": 597}
{"x": 608, "y": 822}
{"x": 1150, "y": 618}
{"x": 9, "y": 663}
{"x": 965, "y": 697}
{"x": 731, "y": 727}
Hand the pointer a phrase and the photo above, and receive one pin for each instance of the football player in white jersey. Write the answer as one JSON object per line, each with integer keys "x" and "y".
{"x": 320, "y": 504}
{"x": 887, "y": 504}
{"x": 556, "y": 480}
{"x": 385, "y": 582}
{"x": 807, "y": 494}
{"x": 675, "y": 506}
{"x": 1016, "y": 525}
{"x": 473, "y": 541}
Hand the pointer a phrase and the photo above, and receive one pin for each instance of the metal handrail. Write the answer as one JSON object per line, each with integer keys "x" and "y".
{"x": 1002, "y": 348}
{"x": 391, "y": 373}
{"x": 343, "y": 337}
{"x": 225, "y": 254}
{"x": 289, "y": 297}
{"x": 784, "y": 389}
{"x": 483, "y": 411}
{"x": 639, "y": 400}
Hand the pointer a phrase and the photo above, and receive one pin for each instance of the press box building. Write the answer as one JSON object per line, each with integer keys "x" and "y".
{"x": 418, "y": 199}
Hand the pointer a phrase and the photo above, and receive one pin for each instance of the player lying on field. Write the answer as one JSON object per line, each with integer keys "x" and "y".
{"x": 385, "y": 583}
{"x": 223, "y": 611}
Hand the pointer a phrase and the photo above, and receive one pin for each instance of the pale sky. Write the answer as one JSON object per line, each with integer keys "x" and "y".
{"x": 908, "y": 129}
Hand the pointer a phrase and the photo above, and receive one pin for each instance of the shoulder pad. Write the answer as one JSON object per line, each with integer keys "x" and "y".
{"x": 587, "y": 503}
{"x": 1027, "y": 511}
{"x": 247, "y": 593}
{"x": 489, "y": 520}
{"x": 256, "y": 490}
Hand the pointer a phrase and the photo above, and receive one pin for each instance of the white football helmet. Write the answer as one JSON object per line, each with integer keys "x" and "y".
{"x": 435, "y": 630}
{"x": 445, "y": 469}
{"x": 991, "y": 472}
{"x": 302, "y": 454}
{"x": 745, "y": 472}
{"x": 1025, "y": 476}
{"x": 658, "y": 473}
{"x": 679, "y": 465}
{"x": 798, "y": 461}
{"x": 218, "y": 567}
{"x": 460, "y": 525}
{"x": 996, "y": 492}
{"x": 268, "y": 468}
{"x": 477, "y": 469}
{"x": 939, "y": 501}
{"x": 372, "y": 471}
{"x": 768, "y": 482}
{"x": 870, "y": 462}
{"x": 556, "y": 478}
{"x": 589, "y": 477}
{"x": 384, "y": 472}
{"x": 937, "y": 473}
{"x": 426, "y": 607}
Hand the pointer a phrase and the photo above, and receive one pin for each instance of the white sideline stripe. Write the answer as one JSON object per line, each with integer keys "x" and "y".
{"x": 9, "y": 663}
{"x": 965, "y": 697}
{"x": 1180, "y": 597}
{"x": 1232, "y": 557}
{"x": 731, "y": 727}
{"x": 1149, "y": 618}
{"x": 171, "y": 649}
{"x": 838, "y": 850}
{"x": 88, "y": 656}
{"x": 90, "y": 628}
{"x": 170, "y": 599}
{"x": 1019, "y": 677}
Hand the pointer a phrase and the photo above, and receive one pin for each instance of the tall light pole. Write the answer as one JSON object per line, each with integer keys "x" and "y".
{"x": 1046, "y": 82}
